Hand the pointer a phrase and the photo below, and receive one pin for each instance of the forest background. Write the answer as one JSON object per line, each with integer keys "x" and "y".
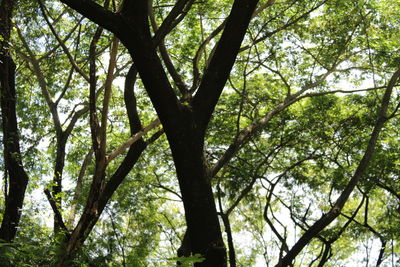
{"x": 205, "y": 133}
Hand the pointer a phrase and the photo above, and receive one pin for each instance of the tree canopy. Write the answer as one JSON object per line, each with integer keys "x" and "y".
{"x": 200, "y": 133}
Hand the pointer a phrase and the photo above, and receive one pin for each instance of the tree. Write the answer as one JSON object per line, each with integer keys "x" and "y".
{"x": 15, "y": 176}
{"x": 184, "y": 125}
{"x": 253, "y": 129}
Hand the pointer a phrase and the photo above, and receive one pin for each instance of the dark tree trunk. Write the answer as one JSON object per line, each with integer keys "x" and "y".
{"x": 15, "y": 173}
{"x": 57, "y": 179}
{"x": 200, "y": 210}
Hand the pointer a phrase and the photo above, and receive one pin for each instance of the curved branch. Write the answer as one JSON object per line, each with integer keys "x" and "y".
{"x": 329, "y": 217}
{"x": 158, "y": 40}
{"x": 62, "y": 44}
{"x": 212, "y": 35}
{"x": 96, "y": 13}
{"x": 222, "y": 61}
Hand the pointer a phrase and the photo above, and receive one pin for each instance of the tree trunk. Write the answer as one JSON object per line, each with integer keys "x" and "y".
{"x": 57, "y": 179}
{"x": 15, "y": 173}
{"x": 200, "y": 211}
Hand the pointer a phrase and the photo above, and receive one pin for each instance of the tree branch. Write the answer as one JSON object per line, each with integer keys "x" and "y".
{"x": 55, "y": 210}
{"x": 107, "y": 95}
{"x": 161, "y": 32}
{"x": 287, "y": 25}
{"x": 222, "y": 61}
{"x": 176, "y": 15}
{"x": 78, "y": 187}
{"x": 246, "y": 133}
{"x": 96, "y": 13}
{"x": 132, "y": 140}
{"x": 329, "y": 217}
{"x": 62, "y": 44}
{"x": 214, "y": 33}
{"x": 42, "y": 83}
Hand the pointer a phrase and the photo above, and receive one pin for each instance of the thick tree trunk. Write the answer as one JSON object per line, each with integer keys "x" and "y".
{"x": 200, "y": 211}
{"x": 17, "y": 178}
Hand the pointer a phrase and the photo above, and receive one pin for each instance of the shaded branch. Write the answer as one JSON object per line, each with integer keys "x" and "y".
{"x": 64, "y": 90}
{"x": 78, "y": 187}
{"x": 96, "y": 13}
{"x": 176, "y": 15}
{"x": 62, "y": 44}
{"x": 94, "y": 124}
{"x": 246, "y": 133}
{"x": 157, "y": 39}
{"x": 228, "y": 230}
{"x": 66, "y": 38}
{"x": 327, "y": 218}
{"x": 55, "y": 209}
{"x": 107, "y": 95}
{"x": 284, "y": 27}
{"x": 222, "y": 61}
{"x": 42, "y": 83}
{"x": 212, "y": 35}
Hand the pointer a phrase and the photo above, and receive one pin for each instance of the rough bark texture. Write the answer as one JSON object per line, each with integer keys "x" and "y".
{"x": 15, "y": 173}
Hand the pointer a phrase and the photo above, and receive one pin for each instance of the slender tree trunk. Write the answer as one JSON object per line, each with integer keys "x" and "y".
{"x": 16, "y": 175}
{"x": 57, "y": 179}
{"x": 95, "y": 207}
{"x": 96, "y": 204}
{"x": 78, "y": 188}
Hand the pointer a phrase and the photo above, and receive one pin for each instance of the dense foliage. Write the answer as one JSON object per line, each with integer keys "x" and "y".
{"x": 302, "y": 150}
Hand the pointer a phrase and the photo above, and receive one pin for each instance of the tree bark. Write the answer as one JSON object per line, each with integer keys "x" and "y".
{"x": 95, "y": 206}
{"x": 15, "y": 173}
{"x": 198, "y": 199}
{"x": 57, "y": 179}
